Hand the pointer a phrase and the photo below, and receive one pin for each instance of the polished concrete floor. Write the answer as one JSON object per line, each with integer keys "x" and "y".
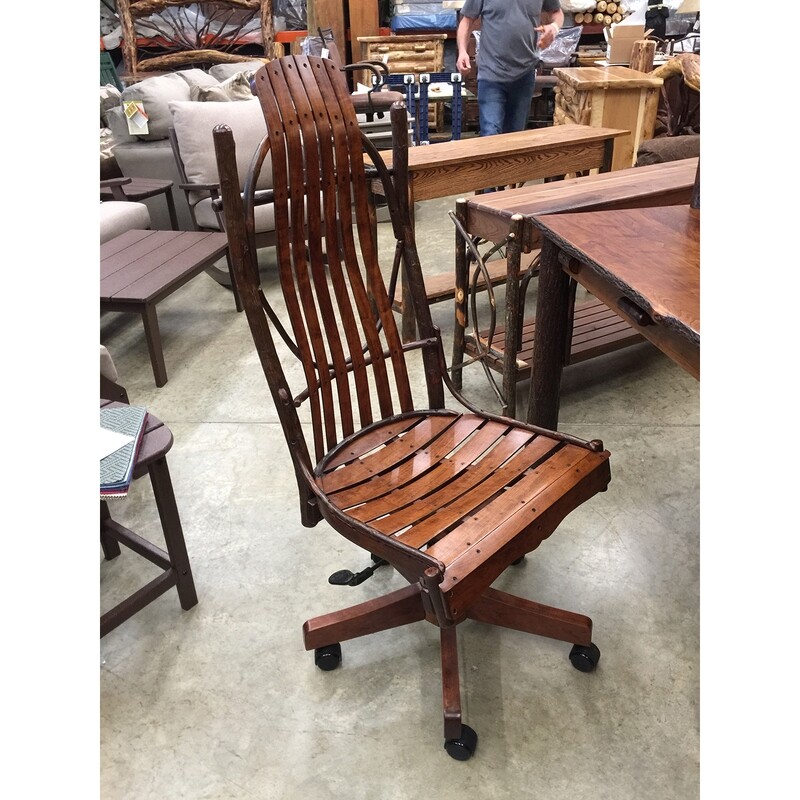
{"x": 223, "y": 702}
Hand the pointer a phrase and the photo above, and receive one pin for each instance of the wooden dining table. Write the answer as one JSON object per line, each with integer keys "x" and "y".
{"x": 646, "y": 266}
{"x": 508, "y": 218}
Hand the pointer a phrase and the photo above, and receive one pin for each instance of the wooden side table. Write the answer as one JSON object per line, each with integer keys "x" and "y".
{"x": 609, "y": 97}
{"x": 138, "y": 189}
{"x": 174, "y": 562}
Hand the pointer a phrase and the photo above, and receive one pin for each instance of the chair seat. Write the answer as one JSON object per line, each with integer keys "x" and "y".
{"x": 461, "y": 485}
{"x": 119, "y": 216}
{"x": 207, "y": 219}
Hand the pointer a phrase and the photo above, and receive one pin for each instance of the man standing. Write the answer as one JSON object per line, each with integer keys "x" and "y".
{"x": 511, "y": 33}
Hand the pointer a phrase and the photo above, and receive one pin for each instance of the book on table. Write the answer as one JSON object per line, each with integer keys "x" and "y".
{"x": 121, "y": 433}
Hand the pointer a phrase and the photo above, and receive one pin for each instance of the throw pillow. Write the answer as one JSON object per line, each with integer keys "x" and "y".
{"x": 208, "y": 94}
{"x": 155, "y": 94}
{"x": 224, "y": 71}
{"x": 197, "y": 77}
{"x": 237, "y": 87}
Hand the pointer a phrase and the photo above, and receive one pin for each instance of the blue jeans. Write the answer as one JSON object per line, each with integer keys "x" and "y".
{"x": 504, "y": 107}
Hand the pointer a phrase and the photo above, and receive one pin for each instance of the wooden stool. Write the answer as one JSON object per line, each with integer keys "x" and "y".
{"x": 177, "y": 571}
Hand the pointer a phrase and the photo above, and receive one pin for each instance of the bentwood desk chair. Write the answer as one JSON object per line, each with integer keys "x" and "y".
{"x": 449, "y": 498}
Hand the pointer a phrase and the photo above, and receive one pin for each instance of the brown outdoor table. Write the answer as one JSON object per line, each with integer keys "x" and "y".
{"x": 644, "y": 263}
{"x": 446, "y": 168}
{"x": 138, "y": 189}
{"x": 174, "y": 562}
{"x": 140, "y": 268}
{"x": 597, "y": 329}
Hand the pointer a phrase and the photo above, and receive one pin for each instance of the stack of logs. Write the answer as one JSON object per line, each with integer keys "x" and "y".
{"x": 602, "y": 13}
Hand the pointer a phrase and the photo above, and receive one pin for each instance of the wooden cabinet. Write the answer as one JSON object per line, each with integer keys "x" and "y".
{"x": 609, "y": 97}
{"x": 409, "y": 54}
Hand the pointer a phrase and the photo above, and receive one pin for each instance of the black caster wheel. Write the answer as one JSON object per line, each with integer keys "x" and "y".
{"x": 584, "y": 658}
{"x": 518, "y": 561}
{"x": 328, "y": 657}
{"x": 463, "y": 748}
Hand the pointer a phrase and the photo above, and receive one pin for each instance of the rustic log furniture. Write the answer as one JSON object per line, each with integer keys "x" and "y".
{"x": 506, "y": 218}
{"x": 647, "y": 270}
{"x": 617, "y": 97}
{"x": 444, "y": 168}
{"x": 449, "y": 498}
{"x": 192, "y": 34}
{"x": 174, "y": 562}
{"x": 140, "y": 268}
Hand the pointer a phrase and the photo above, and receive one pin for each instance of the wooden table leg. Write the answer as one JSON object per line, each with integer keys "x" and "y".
{"x": 408, "y": 320}
{"x": 461, "y": 296}
{"x": 108, "y": 543}
{"x": 173, "y": 532}
{"x": 551, "y": 340}
{"x": 514, "y": 313}
{"x": 173, "y": 217}
{"x": 153, "y": 336}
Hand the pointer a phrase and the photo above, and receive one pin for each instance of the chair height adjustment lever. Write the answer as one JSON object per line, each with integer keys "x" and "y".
{"x": 344, "y": 577}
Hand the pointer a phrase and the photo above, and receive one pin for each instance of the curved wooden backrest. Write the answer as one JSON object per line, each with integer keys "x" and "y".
{"x": 338, "y": 317}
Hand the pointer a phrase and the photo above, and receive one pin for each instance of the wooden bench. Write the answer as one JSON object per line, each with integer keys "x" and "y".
{"x": 140, "y": 268}
{"x": 596, "y": 328}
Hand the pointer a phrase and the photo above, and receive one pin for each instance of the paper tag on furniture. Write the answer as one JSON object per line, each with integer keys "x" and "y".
{"x": 136, "y": 116}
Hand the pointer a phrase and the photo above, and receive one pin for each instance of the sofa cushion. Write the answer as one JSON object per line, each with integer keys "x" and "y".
{"x": 223, "y": 71}
{"x": 197, "y": 77}
{"x": 237, "y": 87}
{"x": 667, "y": 148}
{"x": 264, "y": 216}
{"x": 118, "y": 217}
{"x": 194, "y": 124}
{"x": 155, "y": 94}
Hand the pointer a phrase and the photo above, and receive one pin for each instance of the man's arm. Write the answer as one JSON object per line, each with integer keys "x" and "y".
{"x": 552, "y": 22}
{"x": 463, "y": 32}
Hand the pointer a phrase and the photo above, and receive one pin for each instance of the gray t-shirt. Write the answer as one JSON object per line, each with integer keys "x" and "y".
{"x": 508, "y": 40}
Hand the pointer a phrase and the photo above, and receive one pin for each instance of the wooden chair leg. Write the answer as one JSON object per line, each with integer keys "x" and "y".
{"x": 109, "y": 544}
{"x": 509, "y": 611}
{"x": 390, "y": 611}
{"x": 173, "y": 532}
{"x": 451, "y": 691}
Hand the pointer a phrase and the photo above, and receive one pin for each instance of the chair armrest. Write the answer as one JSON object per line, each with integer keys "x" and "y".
{"x": 262, "y": 197}
{"x": 115, "y": 184}
{"x": 199, "y": 187}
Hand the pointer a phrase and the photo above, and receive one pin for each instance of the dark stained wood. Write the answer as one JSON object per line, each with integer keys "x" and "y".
{"x": 647, "y": 270}
{"x": 491, "y": 216}
{"x": 140, "y": 268}
{"x": 138, "y": 189}
{"x": 438, "y": 493}
{"x": 174, "y": 561}
{"x": 443, "y": 168}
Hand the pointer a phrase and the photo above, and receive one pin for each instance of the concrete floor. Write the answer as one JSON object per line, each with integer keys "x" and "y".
{"x": 223, "y": 702}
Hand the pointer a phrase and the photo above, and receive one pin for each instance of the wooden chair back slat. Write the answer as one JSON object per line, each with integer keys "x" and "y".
{"x": 336, "y": 301}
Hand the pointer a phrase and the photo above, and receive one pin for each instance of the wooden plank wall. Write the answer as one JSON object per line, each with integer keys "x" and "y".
{"x": 359, "y": 16}
{"x": 329, "y": 14}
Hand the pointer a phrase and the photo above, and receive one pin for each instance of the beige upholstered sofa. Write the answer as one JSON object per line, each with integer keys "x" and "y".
{"x": 216, "y": 95}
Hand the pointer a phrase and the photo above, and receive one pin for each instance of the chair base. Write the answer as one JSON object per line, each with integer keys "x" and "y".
{"x": 412, "y": 604}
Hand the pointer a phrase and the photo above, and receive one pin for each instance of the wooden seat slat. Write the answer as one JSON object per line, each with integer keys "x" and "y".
{"x": 512, "y": 510}
{"x": 430, "y": 501}
{"x": 390, "y": 492}
{"x": 465, "y": 504}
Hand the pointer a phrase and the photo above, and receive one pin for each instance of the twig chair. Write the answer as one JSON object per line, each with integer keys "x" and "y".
{"x": 448, "y": 498}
